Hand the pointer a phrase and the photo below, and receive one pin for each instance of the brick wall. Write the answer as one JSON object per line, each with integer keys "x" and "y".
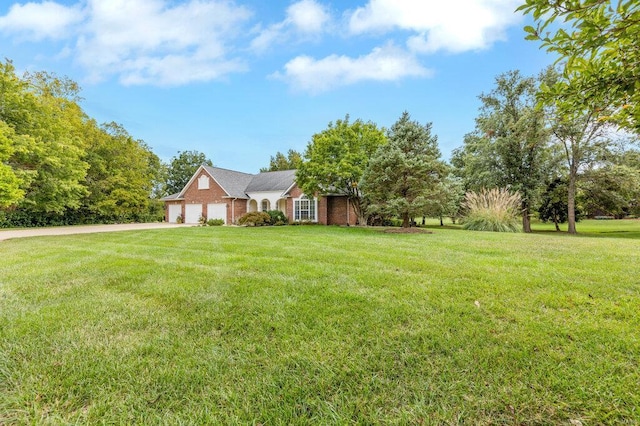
{"x": 331, "y": 210}
{"x": 239, "y": 208}
{"x": 340, "y": 211}
{"x": 213, "y": 195}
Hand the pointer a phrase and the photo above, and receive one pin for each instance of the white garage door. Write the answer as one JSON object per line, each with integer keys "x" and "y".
{"x": 192, "y": 213}
{"x": 217, "y": 211}
{"x": 175, "y": 210}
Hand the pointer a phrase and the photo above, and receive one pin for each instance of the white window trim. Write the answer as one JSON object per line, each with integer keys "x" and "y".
{"x": 296, "y": 208}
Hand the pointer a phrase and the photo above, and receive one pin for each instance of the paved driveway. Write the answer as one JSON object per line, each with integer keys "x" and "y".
{"x": 83, "y": 229}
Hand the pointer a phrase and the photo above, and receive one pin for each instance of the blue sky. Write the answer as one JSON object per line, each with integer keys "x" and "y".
{"x": 241, "y": 80}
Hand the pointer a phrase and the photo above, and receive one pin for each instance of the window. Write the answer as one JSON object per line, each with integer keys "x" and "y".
{"x": 203, "y": 182}
{"x": 305, "y": 208}
{"x": 265, "y": 205}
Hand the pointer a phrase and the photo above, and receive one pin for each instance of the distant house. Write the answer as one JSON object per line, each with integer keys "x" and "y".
{"x": 215, "y": 193}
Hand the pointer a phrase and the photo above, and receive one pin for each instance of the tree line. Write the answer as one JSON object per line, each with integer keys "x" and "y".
{"x": 554, "y": 140}
{"x": 58, "y": 166}
{"x": 560, "y": 165}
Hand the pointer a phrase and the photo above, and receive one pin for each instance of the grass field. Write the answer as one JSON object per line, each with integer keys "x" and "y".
{"x": 322, "y": 325}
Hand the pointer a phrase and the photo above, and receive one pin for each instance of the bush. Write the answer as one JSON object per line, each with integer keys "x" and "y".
{"x": 255, "y": 219}
{"x": 179, "y": 219}
{"x": 494, "y": 210}
{"x": 277, "y": 217}
{"x": 215, "y": 222}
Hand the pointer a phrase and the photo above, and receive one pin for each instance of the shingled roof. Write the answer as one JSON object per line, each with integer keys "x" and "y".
{"x": 233, "y": 183}
{"x": 272, "y": 181}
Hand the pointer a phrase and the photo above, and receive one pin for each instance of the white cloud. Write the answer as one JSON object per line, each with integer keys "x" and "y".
{"x": 38, "y": 21}
{"x": 142, "y": 41}
{"x": 387, "y": 63}
{"x": 306, "y": 18}
{"x": 449, "y": 26}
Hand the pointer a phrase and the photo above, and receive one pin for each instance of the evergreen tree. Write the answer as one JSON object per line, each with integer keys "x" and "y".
{"x": 402, "y": 176}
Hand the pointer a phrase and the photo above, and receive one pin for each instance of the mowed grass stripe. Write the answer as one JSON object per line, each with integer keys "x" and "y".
{"x": 298, "y": 325}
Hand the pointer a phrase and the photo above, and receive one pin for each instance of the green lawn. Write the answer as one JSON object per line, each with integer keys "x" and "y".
{"x": 321, "y": 325}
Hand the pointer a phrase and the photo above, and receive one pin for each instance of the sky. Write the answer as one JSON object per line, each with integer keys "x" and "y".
{"x": 240, "y": 80}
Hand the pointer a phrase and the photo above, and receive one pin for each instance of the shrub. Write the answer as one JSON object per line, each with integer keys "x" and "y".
{"x": 202, "y": 221}
{"x": 255, "y": 219}
{"x": 277, "y": 217}
{"x": 494, "y": 210}
{"x": 215, "y": 222}
{"x": 179, "y": 219}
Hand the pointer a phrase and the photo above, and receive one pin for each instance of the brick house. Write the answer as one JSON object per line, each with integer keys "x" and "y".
{"x": 216, "y": 193}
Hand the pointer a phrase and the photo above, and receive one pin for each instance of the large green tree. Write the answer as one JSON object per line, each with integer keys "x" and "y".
{"x": 42, "y": 111}
{"x": 402, "y": 176}
{"x": 553, "y": 203}
{"x": 580, "y": 136}
{"x": 597, "y": 42}
{"x": 182, "y": 167}
{"x": 613, "y": 190}
{"x": 335, "y": 160}
{"x": 121, "y": 174}
{"x": 280, "y": 161}
{"x": 508, "y": 148}
{"x": 57, "y": 165}
{"x": 447, "y": 198}
{"x": 10, "y": 183}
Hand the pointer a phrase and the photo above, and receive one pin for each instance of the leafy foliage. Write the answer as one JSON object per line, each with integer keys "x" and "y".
{"x": 494, "y": 210}
{"x": 255, "y": 219}
{"x": 402, "y": 175}
{"x": 598, "y": 44}
{"x": 613, "y": 190}
{"x": 10, "y": 184}
{"x": 121, "y": 175}
{"x": 277, "y": 217}
{"x": 336, "y": 158}
{"x": 57, "y": 166}
{"x": 509, "y": 146}
{"x": 291, "y": 161}
{"x": 553, "y": 203}
{"x": 447, "y": 199}
{"x": 580, "y": 134}
{"x": 182, "y": 167}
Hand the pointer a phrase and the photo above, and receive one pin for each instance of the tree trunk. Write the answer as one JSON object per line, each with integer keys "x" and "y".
{"x": 359, "y": 211}
{"x": 555, "y": 222}
{"x": 405, "y": 220}
{"x": 526, "y": 220}
{"x": 441, "y": 223}
{"x": 571, "y": 202}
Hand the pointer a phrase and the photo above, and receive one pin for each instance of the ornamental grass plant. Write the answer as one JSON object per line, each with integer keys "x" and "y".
{"x": 494, "y": 210}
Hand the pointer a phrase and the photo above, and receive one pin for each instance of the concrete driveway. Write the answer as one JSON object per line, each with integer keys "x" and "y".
{"x": 81, "y": 229}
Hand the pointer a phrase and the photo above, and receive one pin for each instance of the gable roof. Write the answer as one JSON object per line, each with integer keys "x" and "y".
{"x": 237, "y": 184}
{"x": 172, "y": 197}
{"x": 272, "y": 181}
{"x": 232, "y": 182}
